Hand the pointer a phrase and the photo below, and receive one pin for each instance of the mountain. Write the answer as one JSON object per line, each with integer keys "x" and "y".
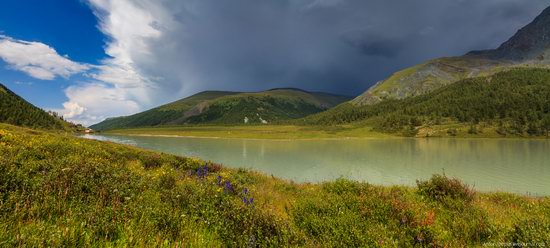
{"x": 511, "y": 102}
{"x": 222, "y": 107}
{"x": 531, "y": 43}
{"x": 16, "y": 111}
{"x": 530, "y": 46}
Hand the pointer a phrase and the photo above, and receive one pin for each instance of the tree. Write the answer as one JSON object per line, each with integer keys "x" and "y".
{"x": 546, "y": 124}
{"x": 472, "y": 129}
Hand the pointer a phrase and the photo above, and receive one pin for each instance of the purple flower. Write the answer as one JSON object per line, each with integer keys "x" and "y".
{"x": 245, "y": 191}
{"x": 248, "y": 201}
{"x": 228, "y": 187}
{"x": 219, "y": 180}
{"x": 202, "y": 171}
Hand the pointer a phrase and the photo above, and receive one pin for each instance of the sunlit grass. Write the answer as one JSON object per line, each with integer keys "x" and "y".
{"x": 58, "y": 190}
{"x": 258, "y": 132}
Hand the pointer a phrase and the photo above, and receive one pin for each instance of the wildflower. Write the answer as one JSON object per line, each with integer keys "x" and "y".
{"x": 202, "y": 171}
{"x": 245, "y": 191}
{"x": 248, "y": 201}
{"x": 228, "y": 187}
{"x": 219, "y": 180}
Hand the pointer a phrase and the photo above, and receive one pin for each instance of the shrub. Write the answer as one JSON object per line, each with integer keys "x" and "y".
{"x": 167, "y": 181}
{"x": 151, "y": 161}
{"x": 452, "y": 132}
{"x": 472, "y": 129}
{"x": 534, "y": 231}
{"x": 440, "y": 188}
{"x": 409, "y": 131}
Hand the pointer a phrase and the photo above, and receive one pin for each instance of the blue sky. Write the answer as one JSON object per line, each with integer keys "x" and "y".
{"x": 69, "y": 26}
{"x": 94, "y": 59}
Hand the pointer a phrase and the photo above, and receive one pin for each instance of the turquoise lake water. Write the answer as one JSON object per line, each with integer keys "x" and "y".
{"x": 519, "y": 166}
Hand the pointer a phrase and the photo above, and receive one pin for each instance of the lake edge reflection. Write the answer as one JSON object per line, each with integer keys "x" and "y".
{"x": 511, "y": 165}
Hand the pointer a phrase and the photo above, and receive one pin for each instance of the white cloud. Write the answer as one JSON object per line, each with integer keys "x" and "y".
{"x": 23, "y": 83}
{"x": 130, "y": 25}
{"x": 38, "y": 60}
{"x": 113, "y": 88}
{"x": 93, "y": 102}
{"x": 72, "y": 109}
{"x": 118, "y": 87}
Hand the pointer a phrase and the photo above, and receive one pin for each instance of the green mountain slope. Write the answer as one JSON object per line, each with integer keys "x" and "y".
{"x": 165, "y": 114}
{"x": 220, "y": 107}
{"x": 516, "y": 101}
{"x": 530, "y": 46}
{"x": 15, "y": 110}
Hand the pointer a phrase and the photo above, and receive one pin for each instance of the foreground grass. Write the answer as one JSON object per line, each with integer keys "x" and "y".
{"x": 58, "y": 190}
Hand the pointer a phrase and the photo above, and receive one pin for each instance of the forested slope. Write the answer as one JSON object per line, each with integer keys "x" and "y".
{"x": 15, "y": 110}
{"x": 516, "y": 101}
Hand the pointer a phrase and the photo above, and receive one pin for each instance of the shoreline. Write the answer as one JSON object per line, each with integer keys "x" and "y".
{"x": 380, "y": 136}
{"x": 246, "y": 138}
{"x": 298, "y": 182}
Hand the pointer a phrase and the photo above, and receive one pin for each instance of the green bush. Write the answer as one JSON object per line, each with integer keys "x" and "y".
{"x": 440, "y": 188}
{"x": 533, "y": 231}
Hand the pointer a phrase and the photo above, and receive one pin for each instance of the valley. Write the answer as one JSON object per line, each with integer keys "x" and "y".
{"x": 450, "y": 152}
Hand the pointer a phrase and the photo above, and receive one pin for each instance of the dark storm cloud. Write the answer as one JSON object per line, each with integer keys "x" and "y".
{"x": 341, "y": 46}
{"x": 375, "y": 45}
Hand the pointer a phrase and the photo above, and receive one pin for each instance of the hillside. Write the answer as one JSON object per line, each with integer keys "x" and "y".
{"x": 218, "y": 107}
{"x": 59, "y": 190}
{"x": 15, "y": 110}
{"x": 530, "y": 46}
{"x": 514, "y": 102}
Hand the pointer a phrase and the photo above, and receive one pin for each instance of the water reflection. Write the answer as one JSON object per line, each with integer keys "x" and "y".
{"x": 519, "y": 166}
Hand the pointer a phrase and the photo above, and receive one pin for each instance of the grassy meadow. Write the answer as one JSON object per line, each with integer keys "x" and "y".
{"x": 257, "y": 131}
{"x": 363, "y": 130}
{"x": 60, "y": 190}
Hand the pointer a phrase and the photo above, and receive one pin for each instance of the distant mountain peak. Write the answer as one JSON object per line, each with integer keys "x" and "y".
{"x": 531, "y": 42}
{"x": 289, "y": 88}
{"x": 529, "y": 46}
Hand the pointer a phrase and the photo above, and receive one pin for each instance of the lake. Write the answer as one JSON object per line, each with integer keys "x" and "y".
{"x": 512, "y": 165}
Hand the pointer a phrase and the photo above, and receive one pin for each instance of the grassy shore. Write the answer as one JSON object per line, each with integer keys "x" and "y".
{"x": 360, "y": 131}
{"x": 59, "y": 190}
{"x": 258, "y": 132}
